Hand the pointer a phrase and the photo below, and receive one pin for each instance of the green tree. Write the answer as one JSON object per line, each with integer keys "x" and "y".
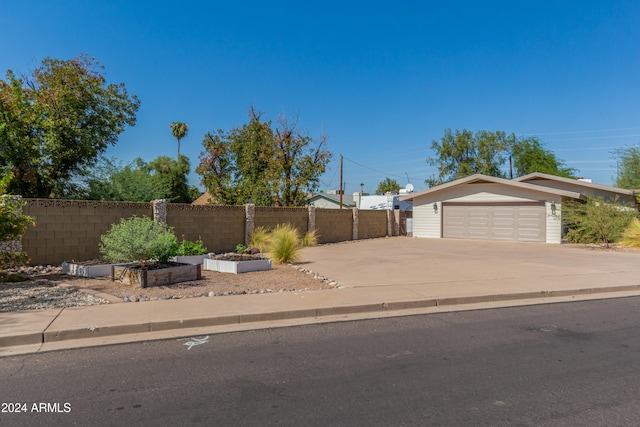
{"x": 255, "y": 163}
{"x": 388, "y": 185}
{"x": 139, "y": 181}
{"x": 628, "y": 167}
{"x": 596, "y": 221}
{"x": 529, "y": 155}
{"x": 55, "y": 123}
{"x": 13, "y": 223}
{"x": 171, "y": 176}
{"x": 461, "y": 153}
{"x": 179, "y": 131}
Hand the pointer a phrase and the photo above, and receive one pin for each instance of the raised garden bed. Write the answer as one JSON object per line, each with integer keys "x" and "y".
{"x": 94, "y": 268}
{"x": 156, "y": 274}
{"x": 236, "y": 264}
{"x": 191, "y": 259}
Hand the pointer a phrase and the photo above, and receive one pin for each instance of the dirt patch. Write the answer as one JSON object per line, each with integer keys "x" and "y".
{"x": 281, "y": 278}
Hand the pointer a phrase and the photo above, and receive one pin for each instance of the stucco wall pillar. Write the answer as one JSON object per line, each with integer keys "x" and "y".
{"x": 249, "y": 222}
{"x": 311, "y": 224}
{"x": 355, "y": 224}
{"x": 160, "y": 210}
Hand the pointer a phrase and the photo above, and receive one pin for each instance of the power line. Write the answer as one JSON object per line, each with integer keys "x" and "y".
{"x": 371, "y": 169}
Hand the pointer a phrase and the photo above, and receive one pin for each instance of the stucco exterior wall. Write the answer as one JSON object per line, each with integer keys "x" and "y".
{"x": 427, "y": 221}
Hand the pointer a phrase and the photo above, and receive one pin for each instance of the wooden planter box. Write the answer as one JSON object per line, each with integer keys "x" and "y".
{"x": 144, "y": 278}
{"x": 87, "y": 269}
{"x": 190, "y": 259}
{"x": 236, "y": 267}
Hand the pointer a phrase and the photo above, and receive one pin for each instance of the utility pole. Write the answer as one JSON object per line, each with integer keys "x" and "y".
{"x": 341, "y": 190}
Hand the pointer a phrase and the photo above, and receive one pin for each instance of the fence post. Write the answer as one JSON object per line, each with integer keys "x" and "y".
{"x": 249, "y": 221}
{"x": 311, "y": 224}
{"x": 160, "y": 210}
{"x": 396, "y": 222}
{"x": 355, "y": 224}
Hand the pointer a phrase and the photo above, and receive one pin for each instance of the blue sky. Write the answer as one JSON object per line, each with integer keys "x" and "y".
{"x": 380, "y": 79}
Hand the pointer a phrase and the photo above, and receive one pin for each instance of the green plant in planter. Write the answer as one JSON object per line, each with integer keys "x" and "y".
{"x": 188, "y": 247}
{"x": 138, "y": 239}
{"x": 240, "y": 248}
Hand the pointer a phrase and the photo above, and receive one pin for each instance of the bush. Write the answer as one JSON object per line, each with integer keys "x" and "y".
{"x": 310, "y": 238}
{"x": 596, "y": 221}
{"x": 12, "y": 225}
{"x": 285, "y": 244}
{"x": 188, "y": 247}
{"x": 138, "y": 239}
{"x": 260, "y": 238}
{"x": 631, "y": 235}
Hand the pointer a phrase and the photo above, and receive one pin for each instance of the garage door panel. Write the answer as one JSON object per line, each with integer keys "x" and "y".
{"x": 501, "y": 221}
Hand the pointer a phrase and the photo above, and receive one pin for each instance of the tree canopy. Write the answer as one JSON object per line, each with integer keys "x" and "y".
{"x": 139, "y": 181}
{"x": 463, "y": 153}
{"x": 628, "y": 167}
{"x": 56, "y": 122}
{"x": 388, "y": 185}
{"x": 530, "y": 156}
{"x": 260, "y": 164}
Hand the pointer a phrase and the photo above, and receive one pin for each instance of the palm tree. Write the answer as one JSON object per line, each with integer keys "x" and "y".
{"x": 179, "y": 130}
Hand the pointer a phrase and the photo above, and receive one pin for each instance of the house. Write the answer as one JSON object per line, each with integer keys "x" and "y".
{"x": 527, "y": 209}
{"x": 331, "y": 201}
{"x": 387, "y": 201}
{"x": 204, "y": 199}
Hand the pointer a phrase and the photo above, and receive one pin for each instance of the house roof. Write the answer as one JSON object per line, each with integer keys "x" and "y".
{"x": 334, "y": 198}
{"x": 543, "y": 176}
{"x": 493, "y": 180}
{"x": 204, "y": 199}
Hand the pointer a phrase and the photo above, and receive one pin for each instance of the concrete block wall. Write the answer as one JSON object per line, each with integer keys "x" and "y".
{"x": 269, "y": 217}
{"x": 372, "y": 224}
{"x": 334, "y": 225}
{"x": 70, "y": 229}
{"x": 221, "y": 228}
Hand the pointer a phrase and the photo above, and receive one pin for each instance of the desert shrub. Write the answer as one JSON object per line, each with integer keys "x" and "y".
{"x": 285, "y": 244}
{"x": 240, "y": 248}
{"x": 260, "y": 238}
{"x": 596, "y": 221}
{"x": 188, "y": 247}
{"x": 631, "y": 235}
{"x": 13, "y": 223}
{"x": 310, "y": 238}
{"x": 138, "y": 239}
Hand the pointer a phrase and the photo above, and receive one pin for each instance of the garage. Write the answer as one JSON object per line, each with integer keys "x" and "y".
{"x": 522, "y": 222}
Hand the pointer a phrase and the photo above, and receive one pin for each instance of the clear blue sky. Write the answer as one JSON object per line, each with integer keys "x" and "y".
{"x": 381, "y": 79}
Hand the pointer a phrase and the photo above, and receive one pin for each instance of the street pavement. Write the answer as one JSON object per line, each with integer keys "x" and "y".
{"x": 379, "y": 277}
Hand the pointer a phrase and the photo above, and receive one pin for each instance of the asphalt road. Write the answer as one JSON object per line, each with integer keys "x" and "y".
{"x": 552, "y": 365}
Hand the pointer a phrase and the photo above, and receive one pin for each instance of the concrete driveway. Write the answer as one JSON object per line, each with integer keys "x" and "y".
{"x": 447, "y": 267}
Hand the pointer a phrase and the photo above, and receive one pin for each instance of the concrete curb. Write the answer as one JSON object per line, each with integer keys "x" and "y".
{"x": 50, "y": 336}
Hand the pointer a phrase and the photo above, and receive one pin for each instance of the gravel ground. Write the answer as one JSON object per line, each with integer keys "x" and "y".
{"x": 48, "y": 288}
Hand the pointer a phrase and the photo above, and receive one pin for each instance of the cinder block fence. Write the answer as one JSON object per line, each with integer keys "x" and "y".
{"x": 71, "y": 229}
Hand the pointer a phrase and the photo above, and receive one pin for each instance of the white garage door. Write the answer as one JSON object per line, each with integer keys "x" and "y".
{"x": 525, "y": 222}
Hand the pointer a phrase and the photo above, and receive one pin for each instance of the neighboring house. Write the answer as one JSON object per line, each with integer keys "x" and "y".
{"x": 331, "y": 201}
{"x": 204, "y": 199}
{"x": 527, "y": 209}
{"x": 384, "y": 202}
